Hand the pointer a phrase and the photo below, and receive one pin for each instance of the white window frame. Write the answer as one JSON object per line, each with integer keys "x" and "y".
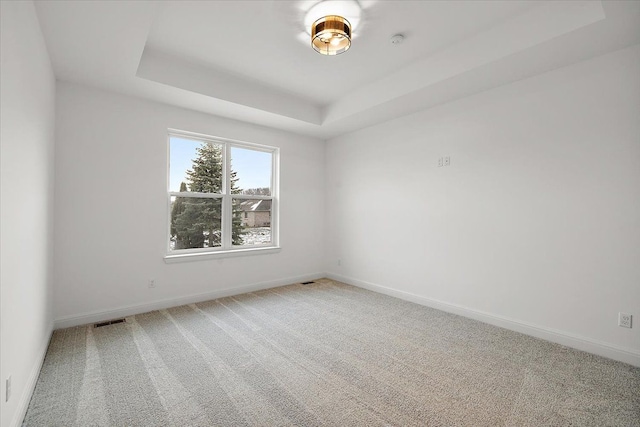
{"x": 227, "y": 248}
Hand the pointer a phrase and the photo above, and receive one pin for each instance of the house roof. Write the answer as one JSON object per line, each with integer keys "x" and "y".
{"x": 255, "y": 205}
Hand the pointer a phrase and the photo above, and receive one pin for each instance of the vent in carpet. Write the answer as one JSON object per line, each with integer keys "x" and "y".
{"x": 307, "y": 283}
{"x": 109, "y": 322}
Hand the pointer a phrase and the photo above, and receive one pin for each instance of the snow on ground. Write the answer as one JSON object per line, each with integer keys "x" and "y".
{"x": 256, "y": 235}
{"x": 250, "y": 236}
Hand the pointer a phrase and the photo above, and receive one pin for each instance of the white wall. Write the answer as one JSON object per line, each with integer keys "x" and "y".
{"x": 537, "y": 220}
{"x": 111, "y": 208}
{"x": 26, "y": 206}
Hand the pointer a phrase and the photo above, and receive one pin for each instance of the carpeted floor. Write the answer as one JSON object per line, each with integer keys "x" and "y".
{"x": 322, "y": 354}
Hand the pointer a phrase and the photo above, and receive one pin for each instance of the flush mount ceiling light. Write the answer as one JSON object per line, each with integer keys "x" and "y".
{"x": 331, "y": 35}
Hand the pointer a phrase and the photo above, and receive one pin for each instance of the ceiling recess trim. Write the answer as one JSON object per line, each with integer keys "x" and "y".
{"x": 173, "y": 71}
{"x": 539, "y": 25}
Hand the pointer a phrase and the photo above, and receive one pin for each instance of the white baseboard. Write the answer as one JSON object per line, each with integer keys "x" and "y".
{"x": 98, "y": 316}
{"x": 23, "y": 403}
{"x": 560, "y": 337}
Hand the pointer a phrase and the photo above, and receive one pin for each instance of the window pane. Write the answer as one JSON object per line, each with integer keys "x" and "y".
{"x": 195, "y": 166}
{"x": 195, "y": 223}
{"x": 252, "y": 171}
{"x": 251, "y": 222}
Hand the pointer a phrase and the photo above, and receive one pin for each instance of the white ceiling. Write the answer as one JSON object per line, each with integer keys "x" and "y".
{"x": 252, "y": 60}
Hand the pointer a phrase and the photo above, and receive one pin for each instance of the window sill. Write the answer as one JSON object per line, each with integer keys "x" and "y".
{"x": 201, "y": 256}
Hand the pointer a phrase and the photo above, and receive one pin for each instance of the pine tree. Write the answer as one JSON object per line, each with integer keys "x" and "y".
{"x": 205, "y": 176}
{"x": 236, "y": 220}
{"x": 177, "y": 209}
{"x": 195, "y": 222}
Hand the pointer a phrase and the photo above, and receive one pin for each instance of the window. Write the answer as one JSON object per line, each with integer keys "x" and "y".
{"x": 222, "y": 195}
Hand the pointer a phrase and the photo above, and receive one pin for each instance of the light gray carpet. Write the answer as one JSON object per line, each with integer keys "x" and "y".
{"x": 323, "y": 354}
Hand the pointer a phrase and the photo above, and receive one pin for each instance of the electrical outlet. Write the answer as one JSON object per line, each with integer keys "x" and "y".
{"x": 447, "y": 161}
{"x": 8, "y": 389}
{"x": 624, "y": 320}
{"x": 152, "y": 283}
{"x": 440, "y": 162}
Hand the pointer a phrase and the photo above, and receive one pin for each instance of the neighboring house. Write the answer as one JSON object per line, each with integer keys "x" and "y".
{"x": 256, "y": 213}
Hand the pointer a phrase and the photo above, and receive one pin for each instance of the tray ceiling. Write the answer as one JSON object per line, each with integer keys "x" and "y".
{"x": 251, "y": 60}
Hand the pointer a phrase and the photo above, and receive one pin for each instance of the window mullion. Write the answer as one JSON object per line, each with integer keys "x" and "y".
{"x": 275, "y": 200}
{"x": 196, "y": 195}
{"x": 227, "y": 208}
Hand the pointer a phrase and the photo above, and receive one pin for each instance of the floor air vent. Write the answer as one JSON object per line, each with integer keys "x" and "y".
{"x": 307, "y": 283}
{"x": 109, "y": 322}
